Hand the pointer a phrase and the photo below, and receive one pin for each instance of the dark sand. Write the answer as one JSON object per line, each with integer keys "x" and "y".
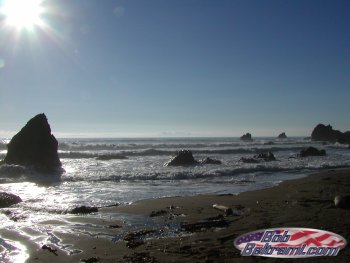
{"x": 306, "y": 202}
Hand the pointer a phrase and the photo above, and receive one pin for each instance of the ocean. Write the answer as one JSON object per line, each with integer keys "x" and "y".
{"x": 133, "y": 169}
{"x": 103, "y": 172}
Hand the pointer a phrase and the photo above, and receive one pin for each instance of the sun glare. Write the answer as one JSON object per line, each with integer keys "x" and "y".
{"x": 23, "y": 14}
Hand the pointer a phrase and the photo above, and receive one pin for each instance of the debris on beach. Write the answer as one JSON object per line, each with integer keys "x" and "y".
{"x": 158, "y": 213}
{"x": 143, "y": 257}
{"x": 53, "y": 251}
{"x": 198, "y": 226}
{"x": 342, "y": 201}
{"x": 172, "y": 207}
{"x": 227, "y": 210}
{"x": 135, "y": 239}
{"x": 90, "y": 260}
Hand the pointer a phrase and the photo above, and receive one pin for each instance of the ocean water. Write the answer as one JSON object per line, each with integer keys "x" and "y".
{"x": 87, "y": 180}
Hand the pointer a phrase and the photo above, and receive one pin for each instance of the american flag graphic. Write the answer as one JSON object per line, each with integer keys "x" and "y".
{"x": 298, "y": 237}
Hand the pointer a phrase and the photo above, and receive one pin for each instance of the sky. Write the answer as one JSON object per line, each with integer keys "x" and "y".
{"x": 173, "y": 68}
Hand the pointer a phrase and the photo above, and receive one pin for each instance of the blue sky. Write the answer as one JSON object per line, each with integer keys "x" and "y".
{"x": 178, "y": 68}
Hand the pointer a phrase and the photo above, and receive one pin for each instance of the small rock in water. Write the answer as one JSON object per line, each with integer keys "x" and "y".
{"x": 90, "y": 260}
{"x": 312, "y": 151}
{"x": 183, "y": 157}
{"x": 249, "y": 160}
{"x": 84, "y": 210}
{"x": 210, "y": 161}
{"x": 7, "y": 199}
{"x": 267, "y": 156}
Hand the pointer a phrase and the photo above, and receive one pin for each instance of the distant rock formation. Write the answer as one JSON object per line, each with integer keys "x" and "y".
{"x": 210, "y": 161}
{"x": 183, "y": 157}
{"x": 312, "y": 151}
{"x": 34, "y": 146}
{"x": 326, "y": 133}
{"x": 246, "y": 137}
{"x": 7, "y": 200}
{"x": 282, "y": 136}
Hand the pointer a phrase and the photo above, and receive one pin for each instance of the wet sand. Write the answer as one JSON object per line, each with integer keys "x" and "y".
{"x": 172, "y": 229}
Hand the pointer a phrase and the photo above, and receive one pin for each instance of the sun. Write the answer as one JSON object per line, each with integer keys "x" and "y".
{"x": 23, "y": 14}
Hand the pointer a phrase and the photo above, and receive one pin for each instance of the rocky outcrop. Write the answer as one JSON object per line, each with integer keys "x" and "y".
{"x": 312, "y": 151}
{"x": 282, "y": 136}
{"x": 210, "y": 161}
{"x": 34, "y": 146}
{"x": 7, "y": 200}
{"x": 246, "y": 137}
{"x": 326, "y": 133}
{"x": 183, "y": 157}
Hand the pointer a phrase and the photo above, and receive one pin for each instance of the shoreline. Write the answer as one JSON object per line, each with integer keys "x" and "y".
{"x": 169, "y": 230}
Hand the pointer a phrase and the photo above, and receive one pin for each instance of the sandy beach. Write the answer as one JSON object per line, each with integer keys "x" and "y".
{"x": 189, "y": 229}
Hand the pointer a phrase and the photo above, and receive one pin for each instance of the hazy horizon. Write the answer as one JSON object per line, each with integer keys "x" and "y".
{"x": 175, "y": 68}
{"x": 113, "y": 135}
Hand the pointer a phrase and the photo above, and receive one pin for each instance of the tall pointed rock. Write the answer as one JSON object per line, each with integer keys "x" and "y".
{"x": 34, "y": 146}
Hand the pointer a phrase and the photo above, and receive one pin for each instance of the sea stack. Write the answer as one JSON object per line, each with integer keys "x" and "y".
{"x": 34, "y": 146}
{"x": 282, "y": 136}
{"x": 326, "y": 133}
{"x": 247, "y": 137}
